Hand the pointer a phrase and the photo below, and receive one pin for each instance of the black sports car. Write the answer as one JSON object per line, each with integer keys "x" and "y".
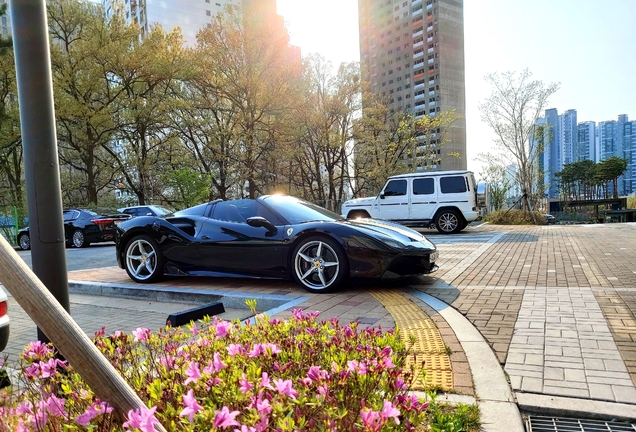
{"x": 81, "y": 228}
{"x": 273, "y": 236}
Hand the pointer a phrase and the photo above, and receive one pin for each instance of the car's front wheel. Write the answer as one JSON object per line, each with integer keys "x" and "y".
{"x": 319, "y": 264}
{"x": 449, "y": 222}
{"x": 144, "y": 259}
{"x": 24, "y": 241}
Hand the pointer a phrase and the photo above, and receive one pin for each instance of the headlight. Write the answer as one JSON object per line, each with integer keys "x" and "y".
{"x": 433, "y": 256}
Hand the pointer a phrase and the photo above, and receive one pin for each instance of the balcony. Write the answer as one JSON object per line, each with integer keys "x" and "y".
{"x": 419, "y": 33}
{"x": 429, "y": 39}
{"x": 431, "y": 104}
{"x": 417, "y": 23}
{"x": 431, "y": 93}
{"x": 418, "y": 76}
{"x": 428, "y": 7}
{"x": 418, "y": 55}
{"x": 429, "y": 28}
{"x": 431, "y": 71}
{"x": 419, "y": 86}
{"x": 416, "y": 12}
{"x": 416, "y": 2}
{"x": 430, "y": 50}
{"x": 431, "y": 61}
{"x": 417, "y": 45}
{"x": 419, "y": 96}
{"x": 418, "y": 64}
{"x": 429, "y": 17}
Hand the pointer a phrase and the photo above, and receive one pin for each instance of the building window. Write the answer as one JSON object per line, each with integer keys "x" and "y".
{"x": 208, "y": 13}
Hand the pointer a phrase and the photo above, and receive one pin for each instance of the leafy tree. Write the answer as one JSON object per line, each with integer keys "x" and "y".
{"x": 610, "y": 170}
{"x": 498, "y": 178}
{"x": 327, "y": 121}
{"x": 515, "y": 104}
{"x": 149, "y": 79}
{"x": 394, "y": 142}
{"x": 86, "y": 92}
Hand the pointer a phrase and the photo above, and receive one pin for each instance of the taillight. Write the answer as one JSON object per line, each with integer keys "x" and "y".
{"x": 3, "y": 308}
{"x": 103, "y": 221}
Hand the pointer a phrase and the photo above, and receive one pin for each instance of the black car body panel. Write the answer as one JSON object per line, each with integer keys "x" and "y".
{"x": 220, "y": 238}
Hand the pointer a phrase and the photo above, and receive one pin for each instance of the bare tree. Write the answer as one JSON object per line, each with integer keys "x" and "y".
{"x": 512, "y": 111}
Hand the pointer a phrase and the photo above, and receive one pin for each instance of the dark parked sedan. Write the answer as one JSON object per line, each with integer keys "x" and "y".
{"x": 81, "y": 228}
{"x": 273, "y": 236}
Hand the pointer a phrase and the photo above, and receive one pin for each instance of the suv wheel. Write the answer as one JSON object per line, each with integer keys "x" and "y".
{"x": 449, "y": 222}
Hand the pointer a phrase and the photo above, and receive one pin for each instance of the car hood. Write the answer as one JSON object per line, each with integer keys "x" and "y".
{"x": 388, "y": 230}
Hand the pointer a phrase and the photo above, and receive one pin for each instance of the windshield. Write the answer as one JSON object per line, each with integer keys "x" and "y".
{"x": 297, "y": 211}
{"x": 162, "y": 211}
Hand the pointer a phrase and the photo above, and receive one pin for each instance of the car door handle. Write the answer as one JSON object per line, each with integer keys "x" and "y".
{"x": 205, "y": 237}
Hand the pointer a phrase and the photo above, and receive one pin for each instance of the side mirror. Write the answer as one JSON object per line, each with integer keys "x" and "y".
{"x": 381, "y": 195}
{"x": 259, "y": 221}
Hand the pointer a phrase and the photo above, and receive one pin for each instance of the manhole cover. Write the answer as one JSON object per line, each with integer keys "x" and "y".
{"x": 561, "y": 424}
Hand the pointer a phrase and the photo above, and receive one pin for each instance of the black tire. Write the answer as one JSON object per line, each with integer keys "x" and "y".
{"x": 24, "y": 241}
{"x": 358, "y": 214}
{"x": 319, "y": 264}
{"x": 449, "y": 222}
{"x": 143, "y": 259}
{"x": 78, "y": 240}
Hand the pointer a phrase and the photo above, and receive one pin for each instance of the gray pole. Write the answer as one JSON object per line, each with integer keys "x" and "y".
{"x": 41, "y": 168}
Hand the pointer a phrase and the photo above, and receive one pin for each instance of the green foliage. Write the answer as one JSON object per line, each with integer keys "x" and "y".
{"x": 631, "y": 201}
{"x": 514, "y": 217}
{"x": 447, "y": 418}
{"x": 582, "y": 180}
{"x": 185, "y": 187}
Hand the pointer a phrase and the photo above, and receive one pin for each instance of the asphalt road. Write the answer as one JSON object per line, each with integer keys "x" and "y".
{"x": 95, "y": 256}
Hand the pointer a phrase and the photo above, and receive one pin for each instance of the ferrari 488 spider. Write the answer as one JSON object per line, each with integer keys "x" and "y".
{"x": 274, "y": 236}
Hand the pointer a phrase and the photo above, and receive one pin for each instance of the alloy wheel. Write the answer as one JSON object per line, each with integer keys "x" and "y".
{"x": 141, "y": 259}
{"x": 448, "y": 222}
{"x": 78, "y": 238}
{"x": 316, "y": 265}
{"x": 25, "y": 242}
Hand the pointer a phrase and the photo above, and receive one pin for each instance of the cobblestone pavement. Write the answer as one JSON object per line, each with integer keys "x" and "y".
{"x": 556, "y": 303}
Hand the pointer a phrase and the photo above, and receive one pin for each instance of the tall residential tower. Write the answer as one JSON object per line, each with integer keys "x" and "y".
{"x": 412, "y": 52}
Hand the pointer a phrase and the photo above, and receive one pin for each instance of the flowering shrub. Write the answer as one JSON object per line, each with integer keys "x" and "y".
{"x": 298, "y": 374}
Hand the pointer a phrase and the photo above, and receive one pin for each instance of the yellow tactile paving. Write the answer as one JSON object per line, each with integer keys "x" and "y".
{"x": 423, "y": 340}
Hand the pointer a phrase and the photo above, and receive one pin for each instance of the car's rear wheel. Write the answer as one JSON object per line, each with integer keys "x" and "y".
{"x": 144, "y": 259}
{"x": 319, "y": 264}
{"x": 78, "y": 239}
{"x": 449, "y": 222}
{"x": 24, "y": 241}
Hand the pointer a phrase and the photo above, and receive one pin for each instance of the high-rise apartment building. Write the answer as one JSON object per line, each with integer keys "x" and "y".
{"x": 412, "y": 52}
{"x": 568, "y": 136}
{"x": 586, "y": 141}
{"x": 5, "y": 22}
{"x": 189, "y": 15}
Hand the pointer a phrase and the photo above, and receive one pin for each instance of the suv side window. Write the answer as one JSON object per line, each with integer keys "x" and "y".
{"x": 423, "y": 186}
{"x": 395, "y": 188}
{"x": 454, "y": 184}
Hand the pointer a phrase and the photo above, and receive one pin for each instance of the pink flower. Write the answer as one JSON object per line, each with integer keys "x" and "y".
{"x": 323, "y": 391}
{"x": 245, "y": 385}
{"x": 265, "y": 380}
{"x": 245, "y": 428}
{"x": 93, "y": 411}
{"x": 194, "y": 329}
{"x": 234, "y": 349}
{"x": 49, "y": 368}
{"x": 36, "y": 350}
{"x": 387, "y": 362}
{"x": 141, "y": 334}
{"x": 218, "y": 364}
{"x": 386, "y": 352}
{"x": 191, "y": 406}
{"x": 225, "y": 418}
{"x": 298, "y": 314}
{"x": 316, "y": 374}
{"x": 222, "y": 328}
{"x": 55, "y": 406}
{"x": 263, "y": 407}
{"x": 193, "y": 373}
{"x": 142, "y": 418}
{"x": 371, "y": 420}
{"x": 390, "y": 411}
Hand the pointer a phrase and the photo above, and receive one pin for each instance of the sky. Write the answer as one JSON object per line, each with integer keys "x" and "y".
{"x": 587, "y": 46}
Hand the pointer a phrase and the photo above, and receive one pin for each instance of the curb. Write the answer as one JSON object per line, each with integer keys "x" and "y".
{"x": 560, "y": 406}
{"x": 270, "y": 304}
{"x": 495, "y": 398}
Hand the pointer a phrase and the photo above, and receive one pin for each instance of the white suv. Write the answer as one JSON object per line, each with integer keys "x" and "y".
{"x": 450, "y": 200}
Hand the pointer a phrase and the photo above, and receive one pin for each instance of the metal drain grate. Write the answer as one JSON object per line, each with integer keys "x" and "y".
{"x": 559, "y": 424}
